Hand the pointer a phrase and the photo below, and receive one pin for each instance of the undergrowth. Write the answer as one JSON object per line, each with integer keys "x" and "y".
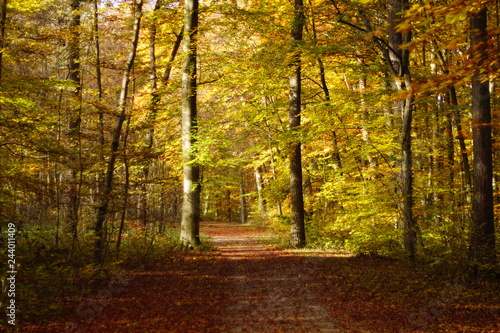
{"x": 52, "y": 279}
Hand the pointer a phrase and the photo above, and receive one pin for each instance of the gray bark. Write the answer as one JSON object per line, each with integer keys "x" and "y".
{"x": 190, "y": 223}
{"x": 398, "y": 61}
{"x": 298, "y": 233}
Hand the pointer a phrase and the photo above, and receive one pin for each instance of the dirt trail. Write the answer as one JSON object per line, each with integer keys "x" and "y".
{"x": 247, "y": 286}
{"x": 271, "y": 290}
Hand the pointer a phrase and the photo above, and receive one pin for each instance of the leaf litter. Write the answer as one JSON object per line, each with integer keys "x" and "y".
{"x": 246, "y": 285}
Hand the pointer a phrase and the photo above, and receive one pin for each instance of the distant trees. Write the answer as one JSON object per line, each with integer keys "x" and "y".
{"x": 121, "y": 116}
{"x": 346, "y": 121}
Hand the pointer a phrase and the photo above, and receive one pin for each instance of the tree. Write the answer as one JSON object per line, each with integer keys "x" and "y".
{"x": 102, "y": 210}
{"x": 397, "y": 61}
{"x": 298, "y": 233}
{"x": 75, "y": 117}
{"x": 482, "y": 239}
{"x": 155, "y": 103}
{"x": 3, "y": 22}
{"x": 190, "y": 224}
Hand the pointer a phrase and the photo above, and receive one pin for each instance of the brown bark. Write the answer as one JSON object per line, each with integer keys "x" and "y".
{"x": 461, "y": 140}
{"x": 74, "y": 73}
{"x": 3, "y": 22}
{"x": 98, "y": 72}
{"x": 482, "y": 239}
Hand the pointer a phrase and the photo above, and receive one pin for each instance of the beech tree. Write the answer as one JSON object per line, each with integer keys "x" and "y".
{"x": 190, "y": 224}
{"x": 355, "y": 117}
{"x": 298, "y": 232}
{"x": 482, "y": 240}
{"x": 397, "y": 60}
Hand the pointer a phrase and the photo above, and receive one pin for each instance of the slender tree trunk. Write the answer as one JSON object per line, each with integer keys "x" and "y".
{"x": 260, "y": 188}
{"x": 190, "y": 223}
{"x": 399, "y": 61}
{"x": 364, "y": 131}
{"x": 324, "y": 86}
{"x": 153, "y": 110}
{"x": 173, "y": 54}
{"x": 279, "y": 207}
{"x": 457, "y": 121}
{"x": 3, "y": 23}
{"x": 155, "y": 100}
{"x": 101, "y": 174}
{"x": 326, "y": 91}
{"x": 461, "y": 140}
{"x": 102, "y": 210}
{"x": 98, "y": 74}
{"x": 482, "y": 240}
{"x": 409, "y": 225}
{"x": 243, "y": 208}
{"x": 74, "y": 73}
{"x": 298, "y": 233}
{"x": 125, "y": 190}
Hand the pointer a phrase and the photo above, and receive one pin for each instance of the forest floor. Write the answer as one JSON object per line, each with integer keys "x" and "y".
{"x": 247, "y": 285}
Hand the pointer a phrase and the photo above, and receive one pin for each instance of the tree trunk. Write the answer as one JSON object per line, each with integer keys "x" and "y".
{"x": 398, "y": 61}
{"x": 190, "y": 223}
{"x": 98, "y": 74}
{"x": 155, "y": 100}
{"x": 461, "y": 140}
{"x": 243, "y": 209}
{"x": 153, "y": 110}
{"x": 125, "y": 190}
{"x": 409, "y": 226}
{"x": 115, "y": 143}
{"x": 74, "y": 73}
{"x": 273, "y": 170}
{"x": 482, "y": 239}
{"x": 3, "y": 22}
{"x": 298, "y": 233}
{"x": 260, "y": 188}
{"x": 336, "y": 153}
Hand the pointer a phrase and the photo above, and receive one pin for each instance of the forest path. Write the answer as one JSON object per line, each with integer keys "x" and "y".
{"x": 245, "y": 285}
{"x": 272, "y": 289}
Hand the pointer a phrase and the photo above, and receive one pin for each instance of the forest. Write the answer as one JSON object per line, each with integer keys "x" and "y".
{"x": 363, "y": 126}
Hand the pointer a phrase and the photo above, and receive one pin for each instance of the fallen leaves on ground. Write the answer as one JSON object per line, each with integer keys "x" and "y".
{"x": 247, "y": 286}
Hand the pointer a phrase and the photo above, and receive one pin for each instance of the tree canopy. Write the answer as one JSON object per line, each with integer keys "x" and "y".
{"x": 397, "y": 138}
